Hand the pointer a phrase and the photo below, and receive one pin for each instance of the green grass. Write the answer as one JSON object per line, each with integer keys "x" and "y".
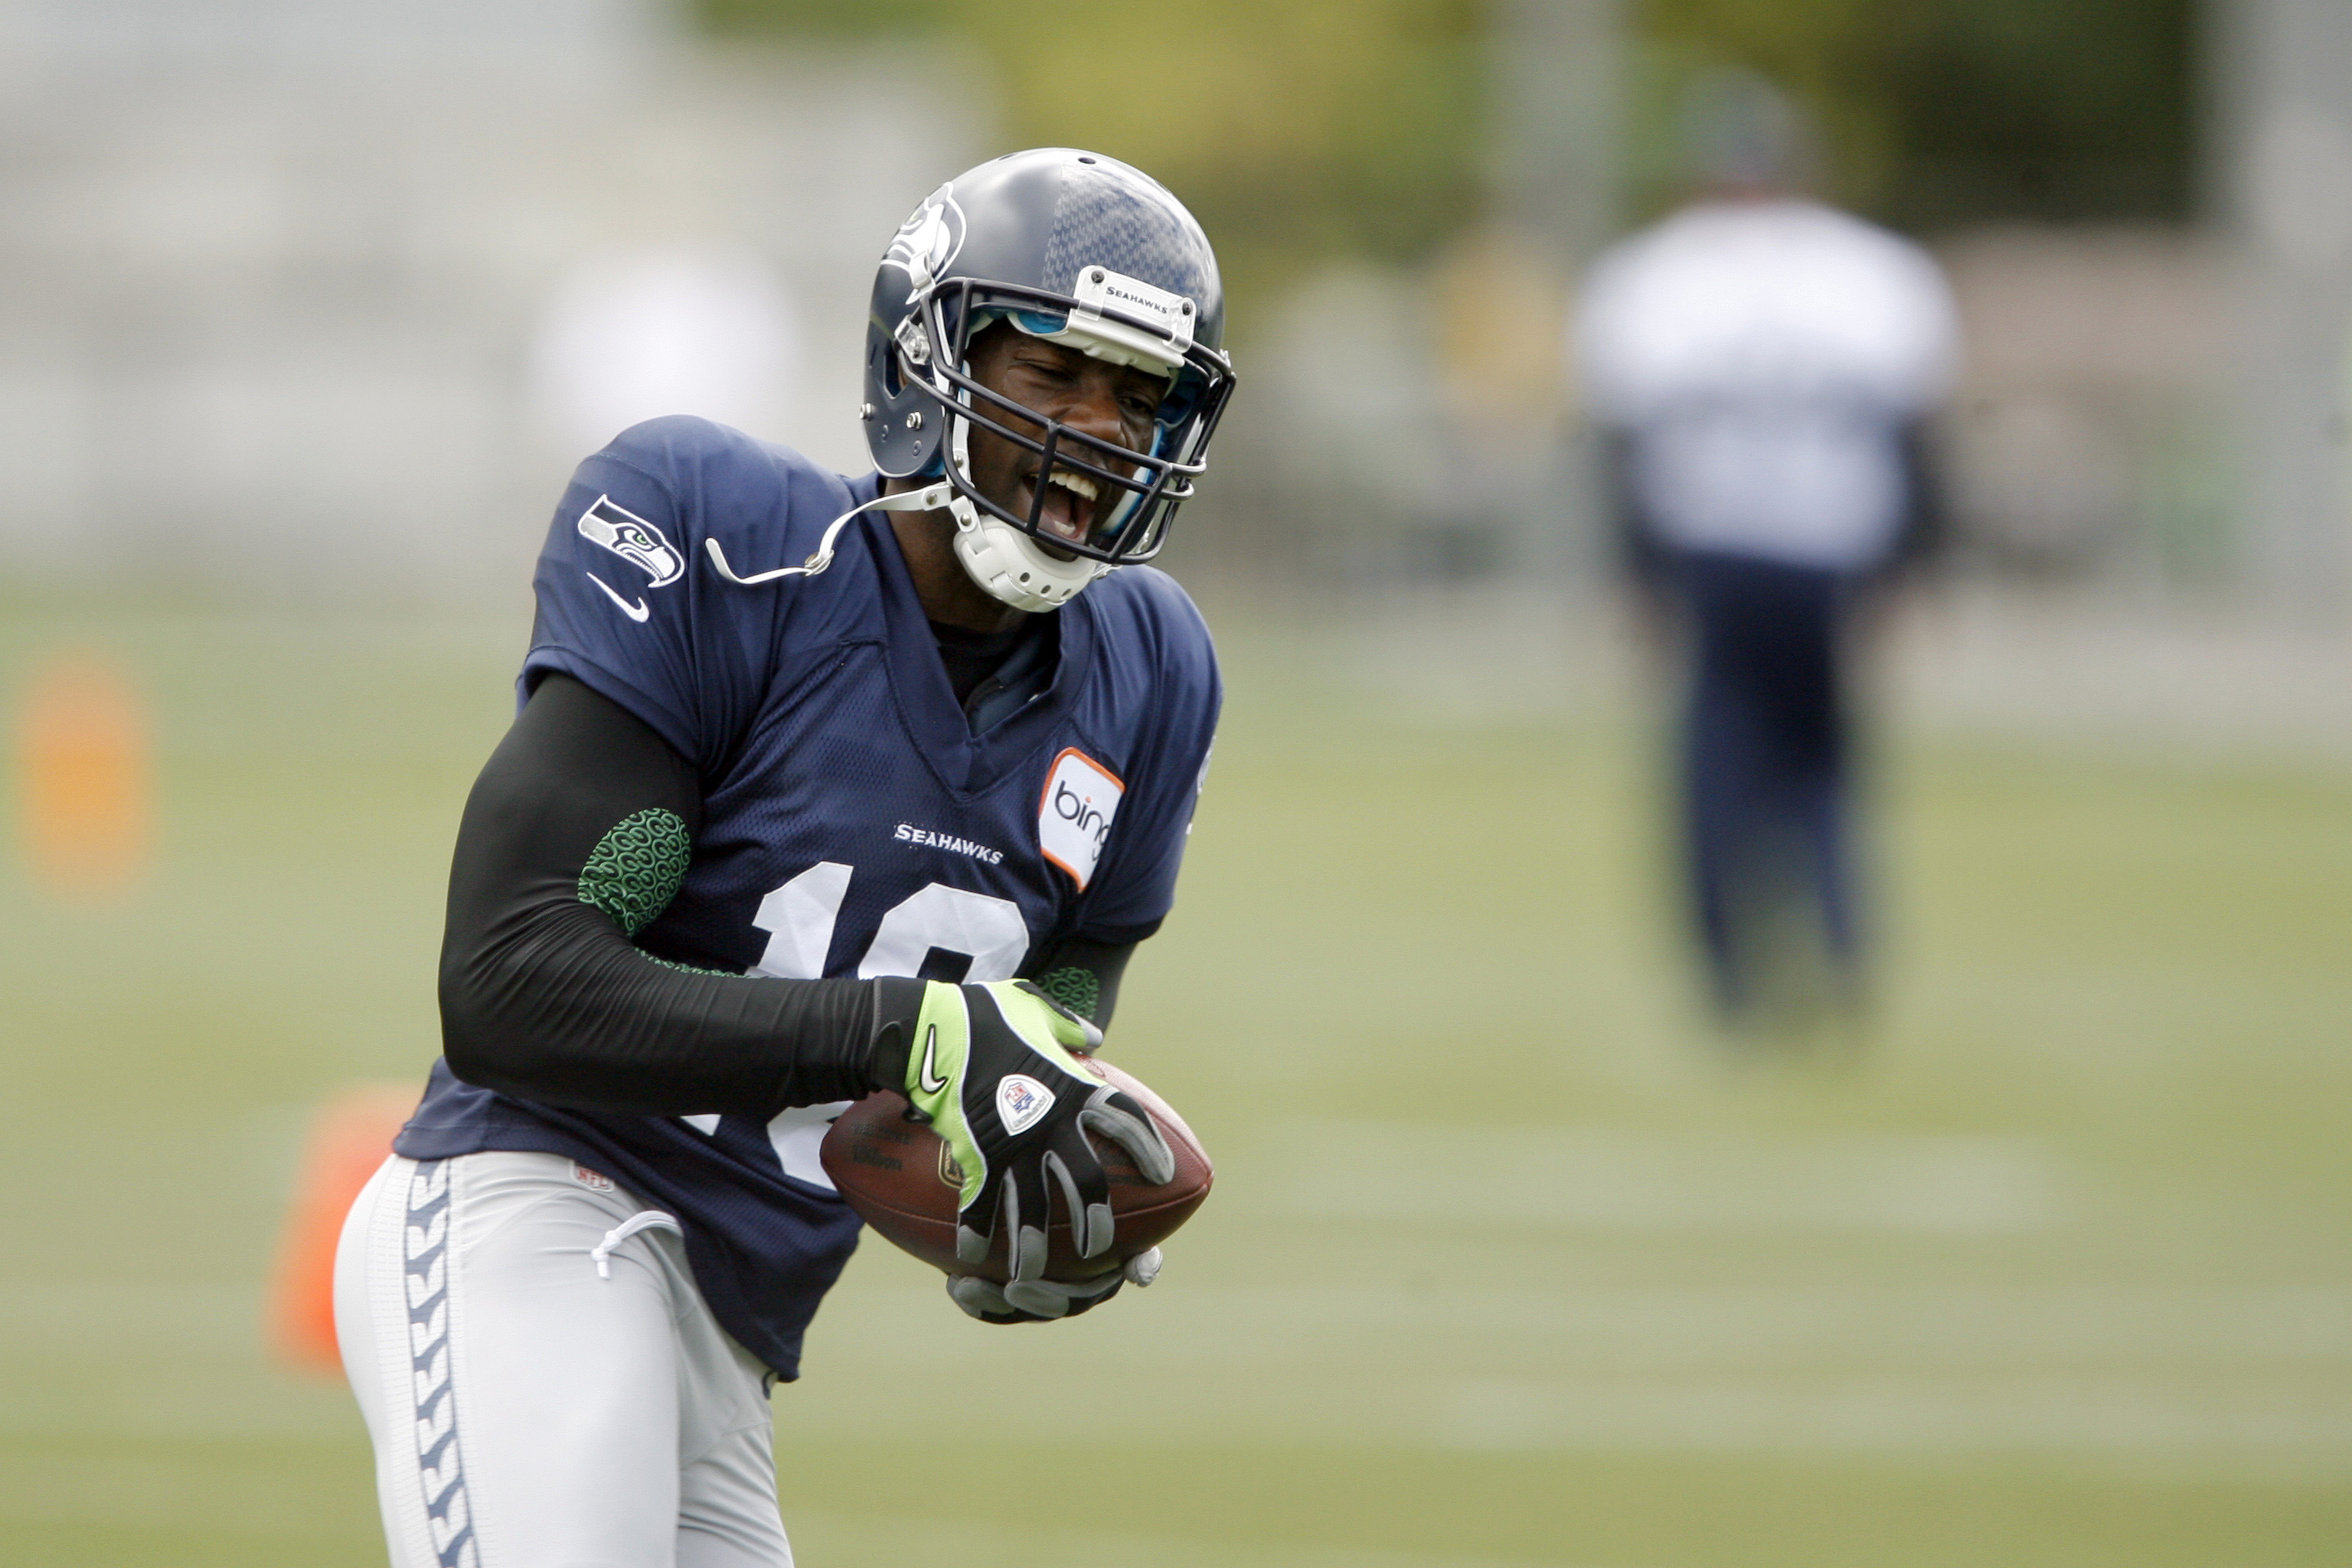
{"x": 1510, "y": 1263}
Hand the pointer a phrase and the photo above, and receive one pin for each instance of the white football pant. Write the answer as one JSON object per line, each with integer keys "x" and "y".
{"x": 545, "y": 1385}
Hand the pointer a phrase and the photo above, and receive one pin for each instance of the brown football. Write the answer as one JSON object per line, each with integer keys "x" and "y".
{"x": 897, "y": 1174}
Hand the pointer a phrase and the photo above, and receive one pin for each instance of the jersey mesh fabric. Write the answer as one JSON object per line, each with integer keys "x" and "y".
{"x": 853, "y": 822}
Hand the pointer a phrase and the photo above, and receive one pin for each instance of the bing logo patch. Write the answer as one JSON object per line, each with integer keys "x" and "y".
{"x": 1074, "y": 815}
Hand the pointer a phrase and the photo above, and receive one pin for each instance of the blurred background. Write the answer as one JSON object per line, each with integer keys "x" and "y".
{"x": 310, "y": 305}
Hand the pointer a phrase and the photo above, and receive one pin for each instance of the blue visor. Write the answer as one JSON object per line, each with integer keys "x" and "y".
{"x": 1040, "y": 323}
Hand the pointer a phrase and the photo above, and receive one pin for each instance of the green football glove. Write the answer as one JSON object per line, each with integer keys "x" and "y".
{"x": 991, "y": 1066}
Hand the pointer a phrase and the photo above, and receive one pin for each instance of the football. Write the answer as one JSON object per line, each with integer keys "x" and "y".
{"x": 897, "y": 1175}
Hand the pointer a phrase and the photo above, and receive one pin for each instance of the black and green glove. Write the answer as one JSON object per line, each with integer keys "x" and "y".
{"x": 991, "y": 1065}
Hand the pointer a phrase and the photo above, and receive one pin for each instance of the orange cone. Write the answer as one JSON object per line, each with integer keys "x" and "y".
{"x": 349, "y": 1138}
{"x": 84, "y": 791}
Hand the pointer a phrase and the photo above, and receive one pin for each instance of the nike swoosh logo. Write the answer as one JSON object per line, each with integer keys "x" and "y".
{"x": 929, "y": 1080}
{"x": 636, "y": 612}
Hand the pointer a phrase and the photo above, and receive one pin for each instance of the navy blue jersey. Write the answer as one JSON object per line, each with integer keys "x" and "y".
{"x": 853, "y": 823}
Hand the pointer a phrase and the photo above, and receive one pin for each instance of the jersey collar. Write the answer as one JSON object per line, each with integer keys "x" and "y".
{"x": 964, "y": 762}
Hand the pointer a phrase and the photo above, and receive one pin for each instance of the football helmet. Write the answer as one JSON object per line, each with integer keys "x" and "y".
{"x": 1075, "y": 248}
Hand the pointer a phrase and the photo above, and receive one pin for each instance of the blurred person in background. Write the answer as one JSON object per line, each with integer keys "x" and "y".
{"x": 803, "y": 802}
{"x": 1761, "y": 366}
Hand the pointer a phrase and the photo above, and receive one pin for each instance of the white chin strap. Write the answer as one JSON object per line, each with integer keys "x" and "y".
{"x": 1009, "y": 564}
{"x": 931, "y": 498}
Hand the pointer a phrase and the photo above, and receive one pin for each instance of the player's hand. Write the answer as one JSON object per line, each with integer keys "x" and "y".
{"x": 1042, "y": 1300}
{"x": 991, "y": 1065}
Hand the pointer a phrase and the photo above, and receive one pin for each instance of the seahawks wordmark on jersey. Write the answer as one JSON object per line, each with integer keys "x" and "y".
{"x": 853, "y": 824}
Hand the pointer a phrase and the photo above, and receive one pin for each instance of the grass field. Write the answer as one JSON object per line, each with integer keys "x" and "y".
{"x": 1508, "y": 1263}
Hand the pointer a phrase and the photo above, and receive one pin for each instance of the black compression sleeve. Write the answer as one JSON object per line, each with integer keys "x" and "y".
{"x": 1921, "y": 537}
{"x": 1635, "y": 532}
{"x": 543, "y": 995}
{"x": 1083, "y": 975}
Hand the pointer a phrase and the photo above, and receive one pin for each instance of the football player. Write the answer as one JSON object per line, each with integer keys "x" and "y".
{"x": 1763, "y": 365}
{"x": 819, "y": 786}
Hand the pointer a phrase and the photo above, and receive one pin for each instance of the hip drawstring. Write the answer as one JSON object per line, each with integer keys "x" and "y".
{"x": 648, "y": 1219}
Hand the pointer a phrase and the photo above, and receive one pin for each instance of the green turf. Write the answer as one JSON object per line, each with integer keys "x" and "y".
{"x": 1509, "y": 1262}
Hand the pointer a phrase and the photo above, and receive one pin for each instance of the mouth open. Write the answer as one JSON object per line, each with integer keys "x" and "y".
{"x": 1068, "y": 511}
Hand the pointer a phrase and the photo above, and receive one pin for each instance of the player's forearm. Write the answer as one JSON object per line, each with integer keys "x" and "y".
{"x": 557, "y": 1006}
{"x": 1921, "y": 536}
{"x": 1634, "y": 531}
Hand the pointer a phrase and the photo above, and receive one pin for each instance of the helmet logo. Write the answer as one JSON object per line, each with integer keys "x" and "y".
{"x": 928, "y": 242}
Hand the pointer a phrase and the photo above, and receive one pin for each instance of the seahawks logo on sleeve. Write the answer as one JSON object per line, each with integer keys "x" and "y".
{"x": 635, "y": 540}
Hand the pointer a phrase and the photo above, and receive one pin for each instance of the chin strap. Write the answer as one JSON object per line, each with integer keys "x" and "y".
{"x": 931, "y": 498}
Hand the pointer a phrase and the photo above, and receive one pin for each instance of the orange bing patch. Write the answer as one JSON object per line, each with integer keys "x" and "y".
{"x": 1074, "y": 812}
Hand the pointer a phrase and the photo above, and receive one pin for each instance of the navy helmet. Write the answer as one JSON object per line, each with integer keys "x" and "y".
{"x": 1072, "y": 247}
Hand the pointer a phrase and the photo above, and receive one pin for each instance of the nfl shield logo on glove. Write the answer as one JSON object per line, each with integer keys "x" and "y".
{"x": 1021, "y": 1101}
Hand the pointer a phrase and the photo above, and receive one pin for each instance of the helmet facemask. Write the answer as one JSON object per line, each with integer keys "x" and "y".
{"x": 1014, "y": 555}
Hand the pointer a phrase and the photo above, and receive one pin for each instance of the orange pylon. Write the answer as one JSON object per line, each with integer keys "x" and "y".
{"x": 350, "y": 1136}
{"x": 84, "y": 778}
